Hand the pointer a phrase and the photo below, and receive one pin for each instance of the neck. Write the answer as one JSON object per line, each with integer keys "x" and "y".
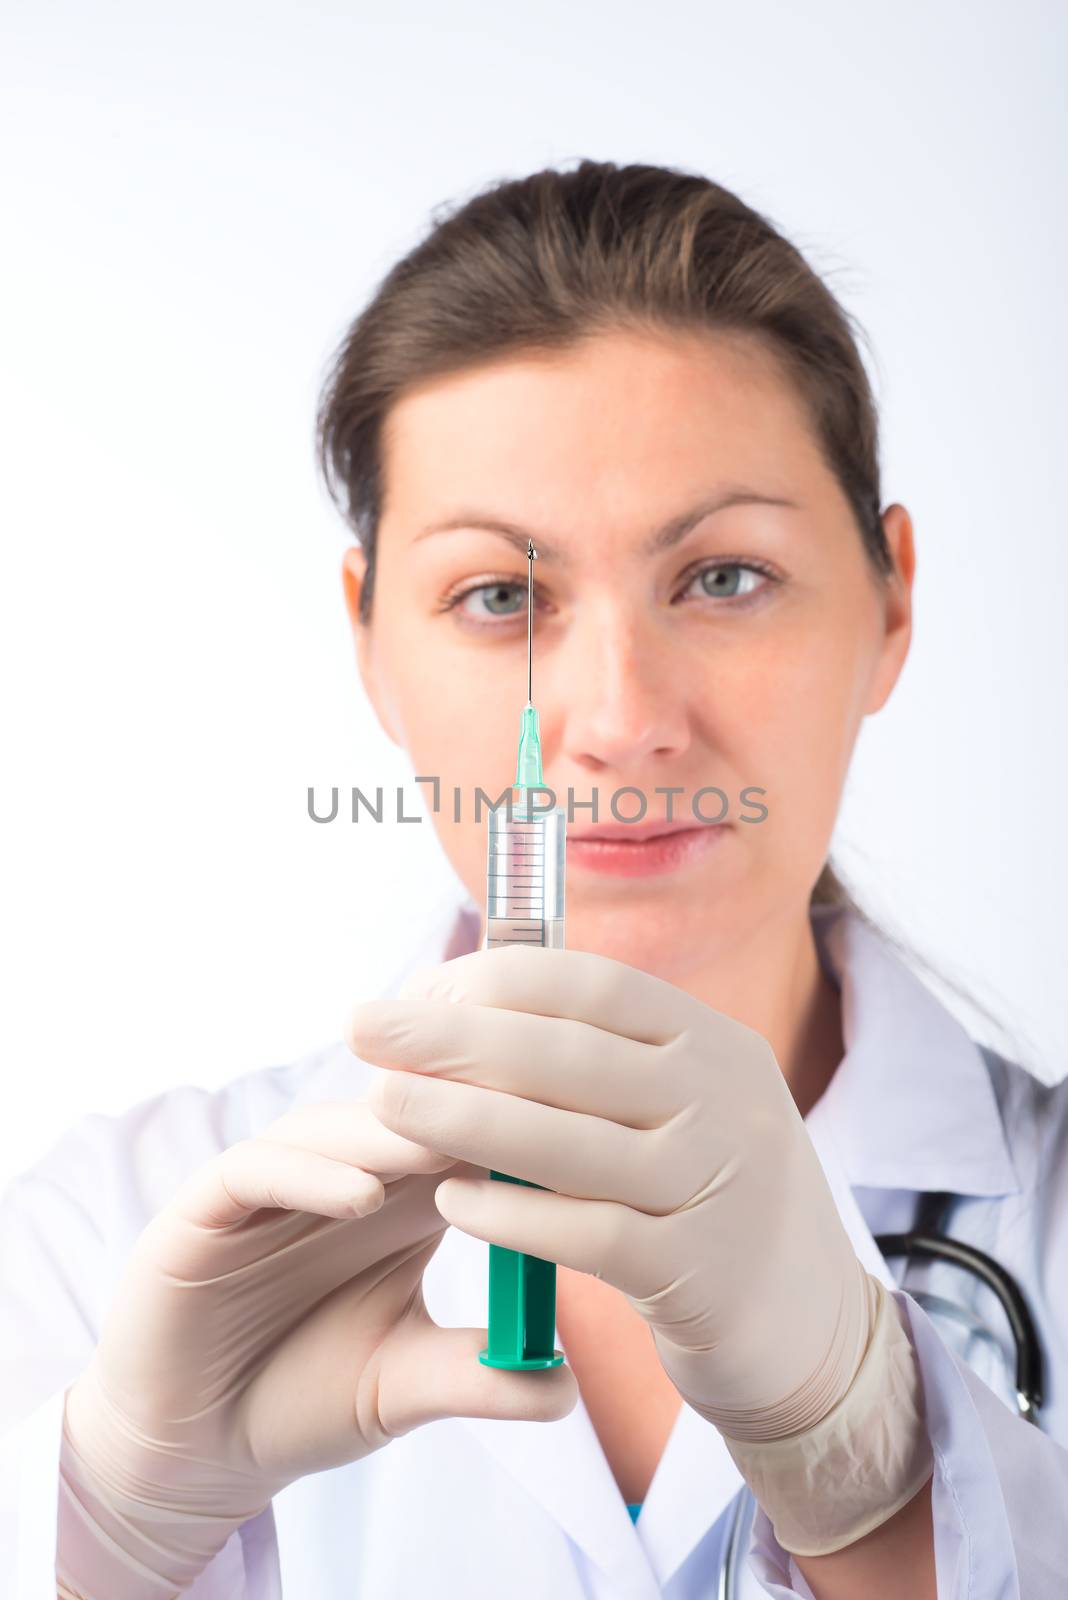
{"x": 774, "y": 984}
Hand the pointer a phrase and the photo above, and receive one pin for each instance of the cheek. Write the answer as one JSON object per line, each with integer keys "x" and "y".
{"x": 795, "y": 714}
{"x": 465, "y": 845}
{"x": 460, "y": 725}
{"x": 457, "y": 722}
{"x": 815, "y": 710}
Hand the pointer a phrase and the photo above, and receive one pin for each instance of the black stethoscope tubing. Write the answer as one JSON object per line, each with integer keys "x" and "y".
{"x": 927, "y": 1242}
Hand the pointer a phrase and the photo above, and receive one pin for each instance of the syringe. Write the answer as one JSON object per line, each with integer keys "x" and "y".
{"x": 524, "y": 905}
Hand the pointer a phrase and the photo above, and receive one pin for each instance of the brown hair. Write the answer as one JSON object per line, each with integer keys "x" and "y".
{"x": 545, "y": 261}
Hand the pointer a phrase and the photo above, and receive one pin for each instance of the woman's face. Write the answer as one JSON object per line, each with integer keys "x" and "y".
{"x": 739, "y": 651}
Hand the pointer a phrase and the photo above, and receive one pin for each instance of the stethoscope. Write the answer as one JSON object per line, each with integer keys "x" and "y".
{"x": 925, "y": 1241}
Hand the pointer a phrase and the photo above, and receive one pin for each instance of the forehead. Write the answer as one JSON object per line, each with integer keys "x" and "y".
{"x": 599, "y": 418}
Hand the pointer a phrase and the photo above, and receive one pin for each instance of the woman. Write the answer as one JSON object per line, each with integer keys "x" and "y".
{"x": 724, "y": 1087}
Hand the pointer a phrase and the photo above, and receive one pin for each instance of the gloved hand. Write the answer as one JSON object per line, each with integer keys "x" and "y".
{"x": 681, "y": 1172}
{"x": 270, "y": 1323}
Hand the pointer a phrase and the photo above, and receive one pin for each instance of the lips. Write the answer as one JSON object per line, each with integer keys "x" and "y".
{"x": 674, "y": 846}
{"x": 636, "y": 832}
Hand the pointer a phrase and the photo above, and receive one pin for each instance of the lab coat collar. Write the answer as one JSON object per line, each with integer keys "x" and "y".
{"x": 910, "y": 1106}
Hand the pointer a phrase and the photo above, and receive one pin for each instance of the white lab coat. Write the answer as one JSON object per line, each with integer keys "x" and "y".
{"x": 474, "y": 1509}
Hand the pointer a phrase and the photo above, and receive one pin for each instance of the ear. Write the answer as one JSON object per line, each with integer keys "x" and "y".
{"x": 353, "y": 577}
{"x": 897, "y": 593}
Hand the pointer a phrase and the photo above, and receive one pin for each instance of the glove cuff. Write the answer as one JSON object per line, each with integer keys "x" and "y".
{"x": 112, "y": 1547}
{"x": 826, "y": 1487}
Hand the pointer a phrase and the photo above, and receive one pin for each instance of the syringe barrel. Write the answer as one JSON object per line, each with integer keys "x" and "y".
{"x": 525, "y": 876}
{"x": 524, "y": 905}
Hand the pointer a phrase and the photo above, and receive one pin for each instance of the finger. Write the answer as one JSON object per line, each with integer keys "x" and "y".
{"x": 580, "y": 985}
{"x": 558, "y": 1062}
{"x": 608, "y": 1240}
{"x": 435, "y": 1372}
{"x": 349, "y": 1130}
{"x": 588, "y": 1157}
{"x": 407, "y": 1371}
{"x": 258, "y": 1173}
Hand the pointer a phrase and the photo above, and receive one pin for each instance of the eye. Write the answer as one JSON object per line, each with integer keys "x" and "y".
{"x": 498, "y": 599}
{"x": 730, "y": 580}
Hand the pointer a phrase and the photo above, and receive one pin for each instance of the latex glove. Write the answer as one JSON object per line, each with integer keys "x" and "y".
{"x": 270, "y": 1323}
{"x": 682, "y": 1173}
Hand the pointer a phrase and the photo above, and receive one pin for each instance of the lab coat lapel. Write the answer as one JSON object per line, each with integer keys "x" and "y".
{"x": 821, "y": 1132}
{"x": 694, "y": 1483}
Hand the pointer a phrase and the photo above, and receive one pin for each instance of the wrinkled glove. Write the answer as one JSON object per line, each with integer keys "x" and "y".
{"x": 681, "y": 1172}
{"x": 270, "y": 1323}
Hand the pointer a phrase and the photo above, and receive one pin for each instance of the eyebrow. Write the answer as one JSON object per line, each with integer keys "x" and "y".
{"x": 663, "y": 538}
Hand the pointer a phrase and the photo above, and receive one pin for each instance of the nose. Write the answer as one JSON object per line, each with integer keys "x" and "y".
{"x": 623, "y": 693}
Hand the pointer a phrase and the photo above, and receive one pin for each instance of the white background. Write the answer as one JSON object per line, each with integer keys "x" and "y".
{"x": 198, "y": 199}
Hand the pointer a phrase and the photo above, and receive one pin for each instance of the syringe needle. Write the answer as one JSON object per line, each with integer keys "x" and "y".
{"x": 528, "y": 773}
{"x": 532, "y": 556}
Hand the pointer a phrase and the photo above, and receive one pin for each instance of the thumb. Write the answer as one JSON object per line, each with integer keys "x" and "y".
{"x": 435, "y": 1372}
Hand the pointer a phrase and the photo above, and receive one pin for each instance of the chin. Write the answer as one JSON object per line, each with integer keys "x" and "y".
{"x": 637, "y": 939}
